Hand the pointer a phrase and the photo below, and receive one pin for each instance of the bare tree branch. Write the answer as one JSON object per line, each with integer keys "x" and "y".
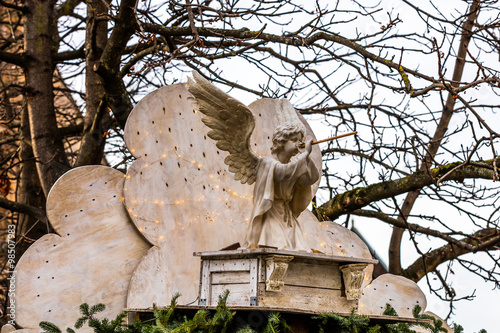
{"x": 350, "y": 201}
{"x": 17, "y": 207}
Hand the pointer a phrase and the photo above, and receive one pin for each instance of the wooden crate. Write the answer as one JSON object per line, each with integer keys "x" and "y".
{"x": 268, "y": 278}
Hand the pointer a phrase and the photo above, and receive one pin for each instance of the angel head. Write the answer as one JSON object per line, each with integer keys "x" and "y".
{"x": 287, "y": 138}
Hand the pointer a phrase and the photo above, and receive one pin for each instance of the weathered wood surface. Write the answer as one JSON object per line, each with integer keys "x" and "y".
{"x": 230, "y": 266}
{"x": 312, "y": 299}
{"x": 149, "y": 278}
{"x": 401, "y": 293}
{"x": 239, "y": 294}
{"x": 308, "y": 284}
{"x": 92, "y": 257}
{"x": 239, "y": 276}
{"x": 236, "y": 277}
{"x": 316, "y": 276}
{"x": 251, "y": 253}
{"x": 205, "y": 283}
{"x": 182, "y": 198}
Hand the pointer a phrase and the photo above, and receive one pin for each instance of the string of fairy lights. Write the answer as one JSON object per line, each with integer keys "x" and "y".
{"x": 219, "y": 189}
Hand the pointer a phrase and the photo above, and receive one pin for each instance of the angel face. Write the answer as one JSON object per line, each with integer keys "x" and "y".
{"x": 282, "y": 134}
{"x": 291, "y": 146}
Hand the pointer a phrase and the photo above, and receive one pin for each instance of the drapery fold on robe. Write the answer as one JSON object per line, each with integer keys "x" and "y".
{"x": 281, "y": 193}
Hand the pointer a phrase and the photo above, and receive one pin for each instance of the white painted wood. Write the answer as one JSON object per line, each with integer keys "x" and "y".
{"x": 401, "y": 293}
{"x": 249, "y": 253}
{"x": 254, "y": 279}
{"x": 92, "y": 257}
{"x": 309, "y": 284}
{"x": 205, "y": 281}
{"x": 229, "y": 265}
{"x": 238, "y": 275}
{"x": 231, "y": 277}
{"x": 239, "y": 294}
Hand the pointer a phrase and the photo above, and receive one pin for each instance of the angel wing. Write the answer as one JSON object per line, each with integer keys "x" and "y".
{"x": 231, "y": 125}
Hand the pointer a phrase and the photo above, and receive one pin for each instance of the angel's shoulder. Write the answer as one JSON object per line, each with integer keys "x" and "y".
{"x": 267, "y": 161}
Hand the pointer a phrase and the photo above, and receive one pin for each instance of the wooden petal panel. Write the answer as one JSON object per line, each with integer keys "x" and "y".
{"x": 90, "y": 260}
{"x": 401, "y": 293}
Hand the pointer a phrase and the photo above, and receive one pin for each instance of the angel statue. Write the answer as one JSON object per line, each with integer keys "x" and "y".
{"x": 283, "y": 186}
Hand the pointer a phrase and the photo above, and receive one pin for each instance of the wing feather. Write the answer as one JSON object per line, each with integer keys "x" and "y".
{"x": 231, "y": 124}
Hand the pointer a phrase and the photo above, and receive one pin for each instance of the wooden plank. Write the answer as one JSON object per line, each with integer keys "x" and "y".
{"x": 236, "y": 277}
{"x": 242, "y": 253}
{"x": 261, "y": 270}
{"x": 254, "y": 279}
{"x": 226, "y": 265}
{"x": 309, "y": 275}
{"x": 205, "y": 281}
{"x": 381, "y": 319}
{"x": 311, "y": 299}
{"x": 239, "y": 294}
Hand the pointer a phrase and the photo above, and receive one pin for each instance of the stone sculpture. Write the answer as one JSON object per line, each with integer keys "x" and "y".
{"x": 282, "y": 187}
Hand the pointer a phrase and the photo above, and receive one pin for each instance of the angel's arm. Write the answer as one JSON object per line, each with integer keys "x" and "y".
{"x": 302, "y": 169}
{"x": 291, "y": 171}
{"x": 311, "y": 176}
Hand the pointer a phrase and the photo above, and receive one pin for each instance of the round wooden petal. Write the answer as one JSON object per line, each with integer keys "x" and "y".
{"x": 401, "y": 293}
{"x": 92, "y": 258}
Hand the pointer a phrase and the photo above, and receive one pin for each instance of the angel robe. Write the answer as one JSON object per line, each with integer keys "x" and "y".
{"x": 281, "y": 193}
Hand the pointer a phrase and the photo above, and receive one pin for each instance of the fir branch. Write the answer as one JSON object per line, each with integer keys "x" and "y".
{"x": 48, "y": 327}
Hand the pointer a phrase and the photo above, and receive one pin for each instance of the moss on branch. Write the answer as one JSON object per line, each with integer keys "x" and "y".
{"x": 360, "y": 197}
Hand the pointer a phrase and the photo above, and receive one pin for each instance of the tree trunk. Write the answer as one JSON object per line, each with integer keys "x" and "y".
{"x": 97, "y": 119}
{"x": 108, "y": 67}
{"x": 29, "y": 192}
{"x": 39, "y": 34}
